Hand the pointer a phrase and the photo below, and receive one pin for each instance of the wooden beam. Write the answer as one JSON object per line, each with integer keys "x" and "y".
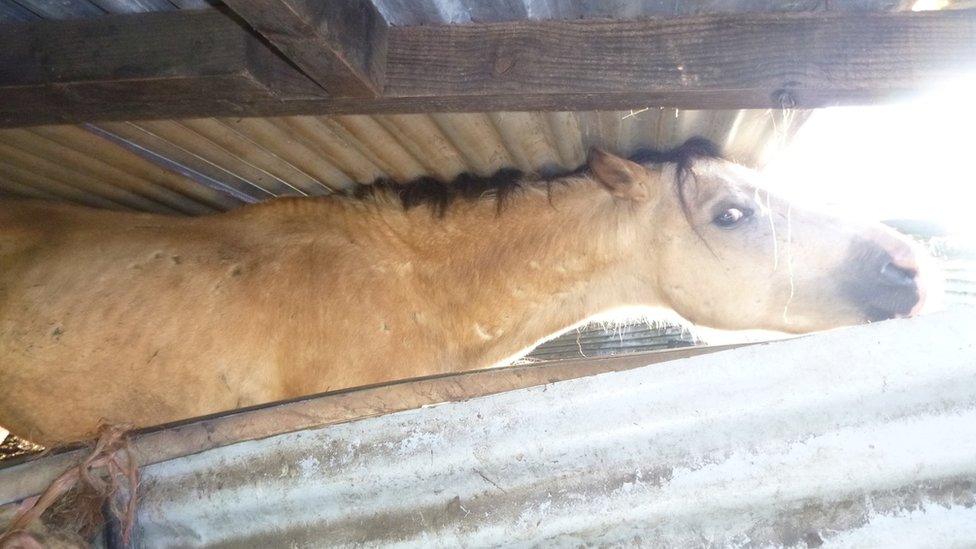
{"x": 140, "y": 63}
{"x": 341, "y": 44}
{"x": 753, "y": 58}
{"x": 729, "y": 61}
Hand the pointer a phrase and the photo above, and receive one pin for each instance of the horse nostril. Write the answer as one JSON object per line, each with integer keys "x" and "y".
{"x": 898, "y": 276}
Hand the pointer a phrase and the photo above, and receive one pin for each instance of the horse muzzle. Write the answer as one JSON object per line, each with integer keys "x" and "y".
{"x": 888, "y": 280}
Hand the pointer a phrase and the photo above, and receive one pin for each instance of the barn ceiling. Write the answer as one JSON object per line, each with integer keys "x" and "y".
{"x": 196, "y": 166}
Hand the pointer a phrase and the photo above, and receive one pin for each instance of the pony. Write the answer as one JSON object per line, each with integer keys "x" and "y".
{"x": 143, "y": 319}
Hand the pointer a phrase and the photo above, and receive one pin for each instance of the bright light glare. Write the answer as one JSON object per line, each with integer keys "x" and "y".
{"x": 929, "y": 5}
{"x": 913, "y": 160}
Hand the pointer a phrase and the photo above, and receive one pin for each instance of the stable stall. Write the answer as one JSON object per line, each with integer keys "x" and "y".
{"x": 849, "y": 438}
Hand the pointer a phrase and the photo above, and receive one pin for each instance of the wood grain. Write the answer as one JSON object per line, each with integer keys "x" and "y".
{"x": 766, "y": 60}
{"x": 434, "y": 12}
{"x": 136, "y": 61}
{"x": 341, "y": 45}
{"x": 755, "y": 54}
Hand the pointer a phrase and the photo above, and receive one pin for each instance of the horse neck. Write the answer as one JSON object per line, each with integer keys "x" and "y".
{"x": 507, "y": 280}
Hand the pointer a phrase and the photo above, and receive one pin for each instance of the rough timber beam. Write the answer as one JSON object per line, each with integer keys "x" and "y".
{"x": 341, "y": 44}
{"x": 204, "y": 64}
{"x": 143, "y": 66}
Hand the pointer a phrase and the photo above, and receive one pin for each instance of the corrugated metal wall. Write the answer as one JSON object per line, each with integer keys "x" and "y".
{"x": 70, "y": 164}
{"x": 850, "y": 438}
{"x": 597, "y": 340}
{"x": 201, "y": 165}
{"x": 957, "y": 258}
{"x": 778, "y": 445}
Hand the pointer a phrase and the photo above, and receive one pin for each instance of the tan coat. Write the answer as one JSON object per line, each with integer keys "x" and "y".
{"x": 144, "y": 319}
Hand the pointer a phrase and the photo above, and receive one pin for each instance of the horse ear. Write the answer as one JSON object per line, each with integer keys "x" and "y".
{"x": 623, "y": 178}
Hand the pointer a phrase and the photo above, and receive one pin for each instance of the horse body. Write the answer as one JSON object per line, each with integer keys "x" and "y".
{"x": 144, "y": 319}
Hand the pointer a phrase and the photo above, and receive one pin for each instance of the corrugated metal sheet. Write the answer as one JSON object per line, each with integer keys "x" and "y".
{"x": 70, "y": 164}
{"x": 954, "y": 254}
{"x": 196, "y": 166}
{"x": 852, "y": 438}
{"x": 20, "y": 480}
{"x": 596, "y": 340}
{"x": 961, "y": 281}
{"x": 29, "y": 10}
{"x": 958, "y": 262}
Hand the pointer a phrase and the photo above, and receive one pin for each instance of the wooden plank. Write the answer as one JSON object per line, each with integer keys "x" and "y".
{"x": 435, "y": 12}
{"x": 753, "y": 58}
{"x": 339, "y": 44}
{"x": 136, "y": 61}
{"x": 768, "y": 60}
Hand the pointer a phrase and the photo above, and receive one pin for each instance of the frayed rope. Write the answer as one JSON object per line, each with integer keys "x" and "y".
{"x": 108, "y": 468}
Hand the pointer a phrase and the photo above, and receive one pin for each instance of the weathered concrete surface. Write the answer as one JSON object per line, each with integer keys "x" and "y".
{"x": 859, "y": 437}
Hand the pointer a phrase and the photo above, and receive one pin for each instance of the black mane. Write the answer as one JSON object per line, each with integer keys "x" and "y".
{"x": 503, "y": 183}
{"x": 683, "y": 155}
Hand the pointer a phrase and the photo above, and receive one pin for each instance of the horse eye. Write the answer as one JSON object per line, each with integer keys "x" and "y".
{"x": 731, "y": 217}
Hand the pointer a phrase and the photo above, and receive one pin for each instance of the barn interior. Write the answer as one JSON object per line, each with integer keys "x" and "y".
{"x": 200, "y": 165}
{"x": 196, "y": 107}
